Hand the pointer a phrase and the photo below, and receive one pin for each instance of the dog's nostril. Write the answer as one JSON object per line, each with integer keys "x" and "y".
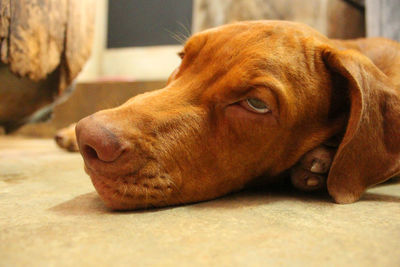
{"x": 90, "y": 152}
{"x": 97, "y": 143}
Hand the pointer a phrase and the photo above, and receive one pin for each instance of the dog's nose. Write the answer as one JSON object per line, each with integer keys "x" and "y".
{"x": 96, "y": 142}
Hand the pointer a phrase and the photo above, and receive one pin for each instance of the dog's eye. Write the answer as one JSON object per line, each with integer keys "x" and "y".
{"x": 256, "y": 105}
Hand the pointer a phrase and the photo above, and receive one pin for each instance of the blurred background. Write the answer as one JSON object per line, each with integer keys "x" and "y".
{"x": 119, "y": 48}
{"x": 138, "y": 39}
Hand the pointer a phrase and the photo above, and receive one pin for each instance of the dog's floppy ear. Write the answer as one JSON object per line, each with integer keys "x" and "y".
{"x": 370, "y": 150}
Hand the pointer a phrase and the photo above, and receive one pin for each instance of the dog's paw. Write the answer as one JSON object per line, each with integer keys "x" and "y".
{"x": 311, "y": 172}
{"x": 66, "y": 139}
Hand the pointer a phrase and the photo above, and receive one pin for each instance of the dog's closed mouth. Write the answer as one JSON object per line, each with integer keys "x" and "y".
{"x": 133, "y": 190}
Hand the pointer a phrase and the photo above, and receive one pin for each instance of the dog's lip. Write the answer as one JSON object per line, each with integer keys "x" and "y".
{"x": 120, "y": 168}
{"x": 109, "y": 175}
{"x": 118, "y": 194}
{"x": 131, "y": 178}
{"x": 96, "y": 164}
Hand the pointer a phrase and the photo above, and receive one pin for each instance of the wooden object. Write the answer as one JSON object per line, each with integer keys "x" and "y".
{"x": 345, "y": 20}
{"x": 43, "y": 46}
{"x": 334, "y": 18}
{"x": 383, "y": 18}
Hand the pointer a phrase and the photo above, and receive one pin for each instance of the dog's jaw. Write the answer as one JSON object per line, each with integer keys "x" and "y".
{"x": 134, "y": 192}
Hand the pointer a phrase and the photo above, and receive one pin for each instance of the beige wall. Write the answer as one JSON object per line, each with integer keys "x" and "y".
{"x": 92, "y": 68}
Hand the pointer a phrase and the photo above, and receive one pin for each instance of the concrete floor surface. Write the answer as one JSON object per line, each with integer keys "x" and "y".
{"x": 51, "y": 216}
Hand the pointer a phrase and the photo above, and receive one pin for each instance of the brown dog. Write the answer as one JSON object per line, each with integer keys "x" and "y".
{"x": 252, "y": 99}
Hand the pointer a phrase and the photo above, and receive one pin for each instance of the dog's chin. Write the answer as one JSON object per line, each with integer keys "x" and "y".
{"x": 130, "y": 192}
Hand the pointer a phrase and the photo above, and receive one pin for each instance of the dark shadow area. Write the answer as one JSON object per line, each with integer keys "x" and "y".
{"x": 91, "y": 203}
{"x": 13, "y": 177}
{"x": 380, "y": 198}
{"x": 264, "y": 195}
{"x": 20, "y": 97}
{"x": 395, "y": 180}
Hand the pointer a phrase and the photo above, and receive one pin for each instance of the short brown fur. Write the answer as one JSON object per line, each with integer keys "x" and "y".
{"x": 191, "y": 141}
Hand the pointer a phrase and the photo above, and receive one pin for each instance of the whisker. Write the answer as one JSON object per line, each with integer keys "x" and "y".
{"x": 147, "y": 198}
{"x": 164, "y": 197}
{"x": 183, "y": 37}
{"x": 116, "y": 196}
{"x": 176, "y": 37}
{"x": 125, "y": 190}
{"x": 177, "y": 190}
{"x": 187, "y": 32}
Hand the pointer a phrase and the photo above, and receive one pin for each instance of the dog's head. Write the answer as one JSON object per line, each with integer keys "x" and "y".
{"x": 248, "y": 99}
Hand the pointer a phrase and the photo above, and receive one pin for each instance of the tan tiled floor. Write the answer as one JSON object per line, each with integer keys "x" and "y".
{"x": 50, "y": 215}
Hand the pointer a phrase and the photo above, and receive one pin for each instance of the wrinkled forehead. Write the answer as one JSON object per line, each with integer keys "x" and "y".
{"x": 251, "y": 45}
{"x": 232, "y": 39}
{"x": 243, "y": 51}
